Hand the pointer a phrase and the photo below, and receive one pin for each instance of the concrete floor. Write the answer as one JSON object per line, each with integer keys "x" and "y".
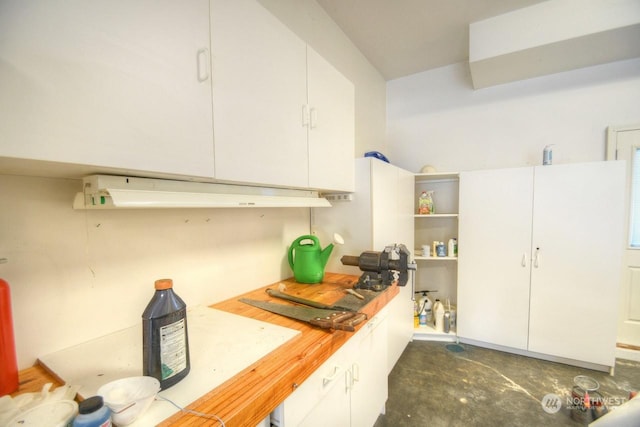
{"x": 433, "y": 386}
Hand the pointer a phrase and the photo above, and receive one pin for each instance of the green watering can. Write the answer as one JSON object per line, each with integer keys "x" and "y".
{"x": 307, "y": 260}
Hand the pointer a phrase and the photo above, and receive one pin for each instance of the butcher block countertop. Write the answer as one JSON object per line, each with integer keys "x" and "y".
{"x": 251, "y": 395}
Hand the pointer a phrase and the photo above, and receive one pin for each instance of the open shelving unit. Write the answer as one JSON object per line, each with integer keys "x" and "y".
{"x": 433, "y": 272}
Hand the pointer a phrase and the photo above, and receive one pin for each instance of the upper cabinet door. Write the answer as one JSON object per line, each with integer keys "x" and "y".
{"x": 259, "y": 91}
{"x": 122, "y": 84}
{"x": 331, "y": 126}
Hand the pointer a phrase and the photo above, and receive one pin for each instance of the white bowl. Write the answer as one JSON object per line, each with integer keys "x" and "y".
{"x": 128, "y": 398}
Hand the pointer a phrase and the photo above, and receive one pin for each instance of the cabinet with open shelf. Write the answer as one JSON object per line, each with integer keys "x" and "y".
{"x": 436, "y": 273}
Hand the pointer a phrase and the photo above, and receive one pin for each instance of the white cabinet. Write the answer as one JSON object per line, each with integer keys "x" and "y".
{"x": 331, "y": 126}
{"x": 283, "y": 115}
{"x": 368, "y": 375}
{"x": 110, "y": 84}
{"x": 259, "y": 90}
{"x": 436, "y": 273}
{"x": 496, "y": 208}
{"x": 379, "y": 214}
{"x": 349, "y": 389}
{"x": 137, "y": 86}
{"x": 324, "y": 394}
{"x": 539, "y": 259}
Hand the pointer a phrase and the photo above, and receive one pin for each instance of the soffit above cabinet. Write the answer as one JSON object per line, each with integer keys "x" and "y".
{"x": 552, "y": 37}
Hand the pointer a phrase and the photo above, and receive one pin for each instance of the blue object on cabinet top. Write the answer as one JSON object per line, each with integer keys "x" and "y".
{"x": 378, "y": 155}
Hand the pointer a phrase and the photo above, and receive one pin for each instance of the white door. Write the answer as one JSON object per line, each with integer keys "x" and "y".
{"x": 624, "y": 144}
{"x": 577, "y": 252}
{"x": 494, "y": 256}
{"x": 259, "y": 90}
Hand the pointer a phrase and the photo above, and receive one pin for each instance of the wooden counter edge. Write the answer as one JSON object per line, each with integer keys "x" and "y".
{"x": 249, "y": 397}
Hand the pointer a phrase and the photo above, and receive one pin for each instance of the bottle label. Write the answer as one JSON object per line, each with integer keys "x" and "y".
{"x": 173, "y": 348}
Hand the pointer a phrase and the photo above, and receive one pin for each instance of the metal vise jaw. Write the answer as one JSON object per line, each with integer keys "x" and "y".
{"x": 381, "y": 269}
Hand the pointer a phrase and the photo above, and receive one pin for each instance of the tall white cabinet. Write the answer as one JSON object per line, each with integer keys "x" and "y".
{"x": 539, "y": 259}
{"x": 379, "y": 214}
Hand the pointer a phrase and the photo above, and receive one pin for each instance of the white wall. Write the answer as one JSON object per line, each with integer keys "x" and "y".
{"x": 436, "y": 117}
{"x": 77, "y": 275}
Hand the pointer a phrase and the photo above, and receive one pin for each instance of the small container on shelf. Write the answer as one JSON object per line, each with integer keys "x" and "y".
{"x": 426, "y": 251}
{"x": 425, "y": 203}
{"x": 452, "y": 247}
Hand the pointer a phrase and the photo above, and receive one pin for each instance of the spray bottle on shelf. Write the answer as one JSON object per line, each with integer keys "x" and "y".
{"x": 424, "y": 309}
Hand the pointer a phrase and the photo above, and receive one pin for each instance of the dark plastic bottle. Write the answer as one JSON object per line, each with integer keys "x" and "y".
{"x": 165, "y": 341}
{"x": 8, "y": 363}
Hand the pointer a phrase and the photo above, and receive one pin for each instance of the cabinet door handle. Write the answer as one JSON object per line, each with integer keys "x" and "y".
{"x": 202, "y": 66}
{"x": 336, "y": 372}
{"x": 313, "y": 119}
{"x": 536, "y": 258}
{"x": 524, "y": 260}
{"x": 355, "y": 368}
{"x": 305, "y": 115}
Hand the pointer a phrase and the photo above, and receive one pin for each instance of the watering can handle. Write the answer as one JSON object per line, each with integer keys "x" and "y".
{"x": 296, "y": 243}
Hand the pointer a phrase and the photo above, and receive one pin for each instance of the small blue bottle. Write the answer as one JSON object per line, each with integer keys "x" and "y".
{"x": 92, "y": 412}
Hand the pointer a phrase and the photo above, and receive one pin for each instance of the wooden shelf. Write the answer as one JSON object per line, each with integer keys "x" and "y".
{"x": 444, "y": 215}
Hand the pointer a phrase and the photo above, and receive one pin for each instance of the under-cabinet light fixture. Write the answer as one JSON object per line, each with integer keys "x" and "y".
{"x": 113, "y": 192}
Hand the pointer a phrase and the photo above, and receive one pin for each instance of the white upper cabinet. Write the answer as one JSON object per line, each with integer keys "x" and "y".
{"x": 259, "y": 90}
{"x": 282, "y": 115}
{"x": 331, "y": 126}
{"x": 122, "y": 84}
{"x": 215, "y": 90}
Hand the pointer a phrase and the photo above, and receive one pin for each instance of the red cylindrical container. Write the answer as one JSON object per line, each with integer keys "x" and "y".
{"x": 8, "y": 364}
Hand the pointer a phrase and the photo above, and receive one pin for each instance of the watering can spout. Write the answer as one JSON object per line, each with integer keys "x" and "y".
{"x": 324, "y": 255}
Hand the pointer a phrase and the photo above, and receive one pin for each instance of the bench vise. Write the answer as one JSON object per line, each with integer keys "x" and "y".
{"x": 382, "y": 269}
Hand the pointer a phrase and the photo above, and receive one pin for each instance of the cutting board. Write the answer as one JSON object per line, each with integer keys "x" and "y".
{"x": 221, "y": 344}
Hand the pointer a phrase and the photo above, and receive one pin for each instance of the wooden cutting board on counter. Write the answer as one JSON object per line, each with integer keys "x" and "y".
{"x": 221, "y": 345}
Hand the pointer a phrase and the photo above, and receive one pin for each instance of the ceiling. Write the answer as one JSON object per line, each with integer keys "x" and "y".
{"x": 403, "y": 37}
